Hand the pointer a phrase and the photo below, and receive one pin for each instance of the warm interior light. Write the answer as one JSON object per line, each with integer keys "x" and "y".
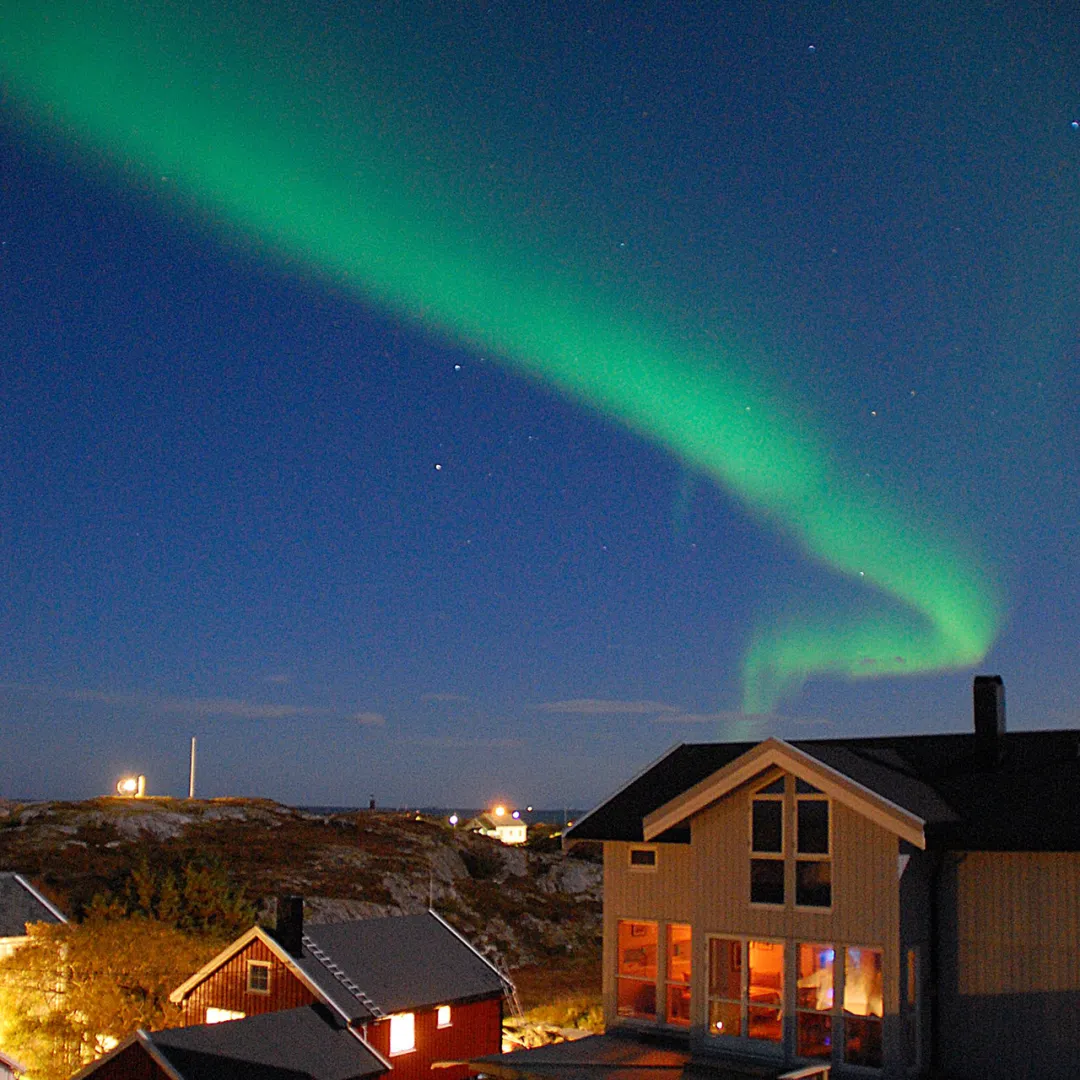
{"x": 402, "y": 1033}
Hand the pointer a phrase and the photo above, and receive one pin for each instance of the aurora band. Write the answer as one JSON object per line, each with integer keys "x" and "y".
{"x": 251, "y": 136}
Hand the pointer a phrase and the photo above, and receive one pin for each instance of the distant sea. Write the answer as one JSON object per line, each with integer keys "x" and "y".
{"x": 534, "y": 817}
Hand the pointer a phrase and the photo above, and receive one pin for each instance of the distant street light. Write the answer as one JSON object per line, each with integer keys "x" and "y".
{"x": 131, "y": 787}
{"x": 500, "y": 811}
{"x": 454, "y": 819}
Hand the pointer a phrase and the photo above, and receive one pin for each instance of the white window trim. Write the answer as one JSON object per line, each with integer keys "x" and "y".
{"x": 251, "y": 966}
{"x": 656, "y": 982}
{"x": 439, "y": 1021}
{"x": 826, "y": 856}
{"x": 765, "y": 1047}
{"x": 639, "y": 868}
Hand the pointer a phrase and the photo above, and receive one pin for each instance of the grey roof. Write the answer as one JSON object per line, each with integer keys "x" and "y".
{"x": 20, "y": 904}
{"x": 373, "y": 967}
{"x": 1021, "y": 793}
{"x": 309, "y": 1043}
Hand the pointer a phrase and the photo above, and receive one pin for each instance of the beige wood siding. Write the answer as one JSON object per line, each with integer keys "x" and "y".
{"x": 707, "y": 884}
{"x": 663, "y": 895}
{"x": 1010, "y": 987}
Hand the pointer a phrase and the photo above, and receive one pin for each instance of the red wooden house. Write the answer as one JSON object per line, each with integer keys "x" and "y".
{"x": 412, "y": 987}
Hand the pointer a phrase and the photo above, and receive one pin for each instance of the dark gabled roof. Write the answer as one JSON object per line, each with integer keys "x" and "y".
{"x": 1022, "y": 793}
{"x": 21, "y": 903}
{"x": 298, "y": 1044}
{"x": 396, "y": 963}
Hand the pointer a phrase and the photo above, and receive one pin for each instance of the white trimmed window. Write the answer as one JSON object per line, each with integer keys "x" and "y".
{"x": 813, "y": 847}
{"x": 219, "y": 1016}
{"x": 767, "y": 844}
{"x": 442, "y": 1015}
{"x": 637, "y": 968}
{"x": 258, "y": 977}
{"x": 402, "y": 1033}
{"x": 746, "y": 989}
{"x": 643, "y": 858}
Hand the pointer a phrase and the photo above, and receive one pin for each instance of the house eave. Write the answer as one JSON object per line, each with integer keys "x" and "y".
{"x": 778, "y": 753}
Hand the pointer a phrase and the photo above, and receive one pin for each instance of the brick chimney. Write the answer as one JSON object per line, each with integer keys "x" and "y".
{"x": 989, "y": 702}
{"x": 290, "y": 923}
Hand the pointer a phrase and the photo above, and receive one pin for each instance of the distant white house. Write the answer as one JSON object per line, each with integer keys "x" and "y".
{"x": 21, "y": 903}
{"x": 508, "y": 829}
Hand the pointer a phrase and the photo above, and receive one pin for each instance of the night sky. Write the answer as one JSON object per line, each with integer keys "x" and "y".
{"x": 449, "y": 401}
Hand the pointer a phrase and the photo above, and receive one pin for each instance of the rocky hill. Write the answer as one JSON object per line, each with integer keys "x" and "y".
{"x": 522, "y": 906}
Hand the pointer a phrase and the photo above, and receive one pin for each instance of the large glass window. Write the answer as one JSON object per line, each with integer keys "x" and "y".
{"x": 814, "y": 1001}
{"x": 677, "y": 982}
{"x": 813, "y": 867}
{"x": 767, "y": 844}
{"x": 636, "y": 978}
{"x": 725, "y": 986}
{"x": 863, "y": 1006}
{"x": 746, "y": 999}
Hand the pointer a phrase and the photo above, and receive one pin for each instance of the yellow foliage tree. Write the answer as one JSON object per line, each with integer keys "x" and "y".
{"x": 74, "y": 991}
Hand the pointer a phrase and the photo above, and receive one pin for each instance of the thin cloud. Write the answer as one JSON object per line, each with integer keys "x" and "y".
{"x": 460, "y": 742}
{"x": 606, "y": 707}
{"x": 277, "y": 680}
{"x": 193, "y": 707}
{"x": 374, "y": 719}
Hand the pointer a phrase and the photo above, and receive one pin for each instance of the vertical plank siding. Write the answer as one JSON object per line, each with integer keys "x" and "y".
{"x": 227, "y": 988}
{"x": 707, "y": 883}
{"x": 1010, "y": 985}
{"x": 475, "y": 1029}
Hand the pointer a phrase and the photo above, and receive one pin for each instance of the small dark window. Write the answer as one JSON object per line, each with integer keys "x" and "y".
{"x": 813, "y": 883}
{"x": 813, "y": 827}
{"x": 643, "y": 857}
{"x": 767, "y": 881}
{"x": 803, "y": 788}
{"x": 775, "y": 788}
{"x": 768, "y": 825}
{"x": 258, "y": 977}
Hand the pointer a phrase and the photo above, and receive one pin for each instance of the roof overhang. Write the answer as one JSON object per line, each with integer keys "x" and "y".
{"x": 775, "y": 753}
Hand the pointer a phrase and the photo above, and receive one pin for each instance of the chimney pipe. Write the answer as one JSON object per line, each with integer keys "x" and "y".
{"x": 290, "y": 924}
{"x": 989, "y": 702}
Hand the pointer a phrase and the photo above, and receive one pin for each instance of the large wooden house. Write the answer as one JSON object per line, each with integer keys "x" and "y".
{"x": 410, "y": 986}
{"x": 885, "y": 906}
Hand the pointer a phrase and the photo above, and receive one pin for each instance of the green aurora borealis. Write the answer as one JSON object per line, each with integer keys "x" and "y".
{"x": 260, "y": 139}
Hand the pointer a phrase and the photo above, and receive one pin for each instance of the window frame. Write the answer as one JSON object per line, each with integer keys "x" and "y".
{"x": 812, "y": 856}
{"x": 401, "y": 1018}
{"x": 760, "y": 794}
{"x": 634, "y": 1017}
{"x": 770, "y": 1047}
{"x": 678, "y": 984}
{"x": 440, "y": 1022}
{"x": 643, "y": 868}
{"x": 252, "y": 967}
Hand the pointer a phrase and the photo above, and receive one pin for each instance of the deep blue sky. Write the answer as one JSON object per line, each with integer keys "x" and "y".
{"x": 354, "y": 558}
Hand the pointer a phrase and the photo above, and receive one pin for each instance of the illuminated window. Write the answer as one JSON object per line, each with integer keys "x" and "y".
{"x": 636, "y": 976}
{"x": 258, "y": 977}
{"x": 677, "y": 982}
{"x": 746, "y": 999}
{"x": 642, "y": 858}
{"x": 814, "y": 1001}
{"x": 219, "y": 1016}
{"x": 443, "y": 1016}
{"x": 863, "y": 1006}
{"x": 767, "y": 844}
{"x": 402, "y": 1033}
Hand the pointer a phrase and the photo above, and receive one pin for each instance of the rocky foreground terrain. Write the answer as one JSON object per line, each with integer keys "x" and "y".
{"x": 523, "y": 907}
